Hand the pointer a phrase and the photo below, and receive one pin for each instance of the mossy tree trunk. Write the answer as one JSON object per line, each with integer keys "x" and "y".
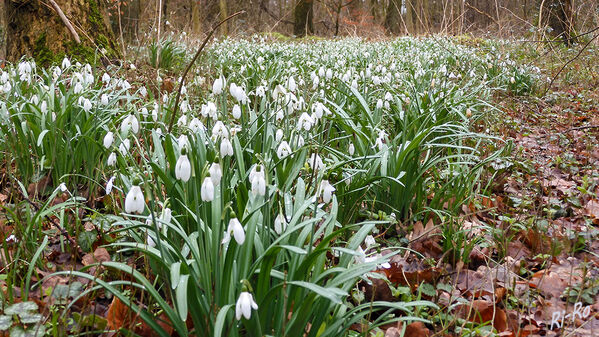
{"x": 303, "y": 16}
{"x": 35, "y": 29}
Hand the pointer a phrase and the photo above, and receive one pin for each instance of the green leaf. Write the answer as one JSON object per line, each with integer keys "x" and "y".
{"x": 219, "y": 324}
{"x": 181, "y": 295}
{"x": 22, "y": 307}
{"x": 333, "y": 294}
{"x": 427, "y": 289}
{"x": 86, "y": 240}
{"x": 5, "y": 322}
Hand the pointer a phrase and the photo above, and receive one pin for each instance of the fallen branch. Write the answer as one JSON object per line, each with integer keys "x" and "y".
{"x": 174, "y": 114}
{"x": 65, "y": 20}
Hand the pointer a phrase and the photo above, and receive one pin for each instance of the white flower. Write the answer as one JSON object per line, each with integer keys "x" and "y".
{"x": 327, "y": 191}
{"x": 111, "y": 159}
{"x": 236, "y": 228}
{"x": 283, "y": 150}
{"x": 183, "y": 168}
{"x": 182, "y": 121}
{"x": 62, "y": 187}
{"x": 166, "y": 216}
{"x": 351, "y": 149}
{"x": 106, "y": 78}
{"x": 108, "y": 139}
{"x": 280, "y": 223}
{"x": 238, "y": 93}
{"x": 150, "y": 241}
{"x": 305, "y": 122}
{"x": 144, "y": 92}
{"x": 104, "y": 99}
{"x": 78, "y": 88}
{"x": 258, "y": 180}
{"x": 132, "y": 66}
{"x": 217, "y": 86}
{"x": 291, "y": 84}
{"x": 65, "y": 63}
{"x": 44, "y": 107}
{"x": 318, "y": 110}
{"x": 220, "y": 130}
{"x": 216, "y": 173}
{"x": 134, "y": 201}
{"x": 196, "y": 125}
{"x": 278, "y": 135}
{"x": 130, "y": 123}
{"x": 207, "y": 191}
{"x": 226, "y": 148}
{"x": 183, "y": 142}
{"x": 379, "y": 104}
{"x": 244, "y": 306}
{"x": 369, "y": 241}
{"x": 236, "y": 111}
{"x": 87, "y": 105}
{"x": 315, "y": 162}
{"x": 300, "y": 141}
{"x": 261, "y": 91}
{"x": 110, "y": 185}
{"x": 124, "y": 147}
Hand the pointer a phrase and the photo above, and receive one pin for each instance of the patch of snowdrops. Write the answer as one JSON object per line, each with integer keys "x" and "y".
{"x": 276, "y": 150}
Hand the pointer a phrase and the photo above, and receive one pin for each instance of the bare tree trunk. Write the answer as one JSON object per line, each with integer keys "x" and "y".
{"x": 196, "y": 21}
{"x": 393, "y": 17}
{"x": 561, "y": 19}
{"x": 223, "y": 15}
{"x": 2, "y": 31}
{"x": 303, "y": 15}
{"x": 35, "y": 29}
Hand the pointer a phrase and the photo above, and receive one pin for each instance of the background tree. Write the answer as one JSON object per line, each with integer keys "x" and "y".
{"x": 393, "y": 19}
{"x": 303, "y": 15}
{"x": 35, "y": 28}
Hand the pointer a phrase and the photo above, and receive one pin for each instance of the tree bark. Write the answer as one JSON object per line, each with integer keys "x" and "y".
{"x": 561, "y": 19}
{"x": 393, "y": 18}
{"x": 36, "y": 30}
{"x": 303, "y": 18}
{"x": 223, "y": 15}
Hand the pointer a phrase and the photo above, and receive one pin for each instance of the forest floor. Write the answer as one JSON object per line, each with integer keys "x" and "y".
{"x": 537, "y": 273}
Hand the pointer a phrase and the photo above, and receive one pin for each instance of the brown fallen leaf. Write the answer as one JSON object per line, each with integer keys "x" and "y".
{"x": 120, "y": 316}
{"x": 417, "y": 329}
{"x": 481, "y": 311}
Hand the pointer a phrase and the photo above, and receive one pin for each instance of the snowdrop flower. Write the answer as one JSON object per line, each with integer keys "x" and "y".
{"x": 236, "y": 228}
{"x": 4, "y": 77}
{"x": 217, "y": 86}
{"x": 183, "y": 90}
{"x": 78, "y": 88}
{"x": 125, "y": 85}
{"x": 327, "y": 191}
{"x": 124, "y": 147}
{"x": 150, "y": 242}
{"x": 132, "y": 66}
{"x": 130, "y": 123}
{"x": 134, "y": 201}
{"x": 196, "y": 125}
{"x": 44, "y": 107}
{"x": 110, "y": 185}
{"x": 11, "y": 239}
{"x": 226, "y": 148}
{"x": 165, "y": 217}
{"x": 236, "y": 111}
{"x": 369, "y": 241}
{"x": 329, "y": 74}
{"x": 237, "y": 92}
{"x": 283, "y": 150}
{"x": 6, "y": 87}
{"x": 220, "y": 131}
{"x": 106, "y": 78}
{"x": 207, "y": 190}
{"x": 278, "y": 135}
{"x": 351, "y": 149}
{"x": 315, "y": 162}
{"x": 244, "y": 305}
{"x": 216, "y": 173}
{"x": 305, "y": 121}
{"x": 65, "y": 63}
{"x": 280, "y": 223}
{"x": 87, "y": 105}
{"x": 300, "y": 141}
{"x": 62, "y": 187}
{"x": 182, "y": 121}
{"x": 258, "y": 180}
{"x": 315, "y": 82}
{"x": 261, "y": 91}
{"x": 111, "y": 159}
{"x": 144, "y": 92}
{"x": 378, "y": 143}
{"x": 291, "y": 84}
{"x": 108, "y": 139}
{"x": 183, "y": 168}
{"x": 104, "y": 99}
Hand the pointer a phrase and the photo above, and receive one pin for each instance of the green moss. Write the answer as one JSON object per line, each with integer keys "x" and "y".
{"x": 41, "y": 53}
{"x": 95, "y": 16}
